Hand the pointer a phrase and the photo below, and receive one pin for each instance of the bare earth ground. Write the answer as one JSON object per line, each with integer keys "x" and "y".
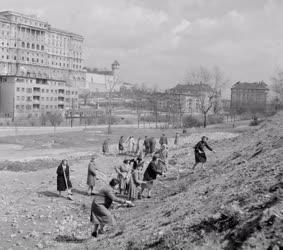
{"x": 234, "y": 203}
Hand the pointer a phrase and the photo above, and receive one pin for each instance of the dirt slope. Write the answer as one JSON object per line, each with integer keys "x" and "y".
{"x": 235, "y": 203}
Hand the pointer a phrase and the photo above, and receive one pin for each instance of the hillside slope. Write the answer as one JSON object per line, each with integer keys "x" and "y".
{"x": 234, "y": 203}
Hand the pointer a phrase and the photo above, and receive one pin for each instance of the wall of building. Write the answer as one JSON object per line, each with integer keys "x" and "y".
{"x": 7, "y": 93}
{"x": 38, "y": 56}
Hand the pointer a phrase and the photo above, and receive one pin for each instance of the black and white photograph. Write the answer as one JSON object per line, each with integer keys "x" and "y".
{"x": 141, "y": 124}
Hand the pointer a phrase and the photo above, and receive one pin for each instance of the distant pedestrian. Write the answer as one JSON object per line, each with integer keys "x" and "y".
{"x": 163, "y": 140}
{"x": 150, "y": 175}
{"x": 100, "y": 214}
{"x": 91, "y": 175}
{"x": 176, "y": 140}
{"x": 63, "y": 178}
{"x": 162, "y": 155}
{"x": 121, "y": 145}
{"x": 146, "y": 145}
{"x": 131, "y": 145}
{"x": 138, "y": 151}
{"x": 152, "y": 144}
{"x": 105, "y": 146}
{"x": 200, "y": 156}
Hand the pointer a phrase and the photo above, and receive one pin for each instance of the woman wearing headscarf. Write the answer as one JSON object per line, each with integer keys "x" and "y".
{"x": 124, "y": 174}
{"x": 200, "y": 156}
{"x": 136, "y": 180}
{"x": 91, "y": 175}
{"x": 105, "y": 146}
{"x": 121, "y": 145}
{"x": 63, "y": 178}
{"x": 100, "y": 214}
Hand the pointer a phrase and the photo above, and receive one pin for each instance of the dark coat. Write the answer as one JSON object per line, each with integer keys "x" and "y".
{"x": 163, "y": 140}
{"x": 151, "y": 172}
{"x": 152, "y": 143}
{"x": 61, "y": 184}
{"x": 91, "y": 174}
{"x": 200, "y": 155}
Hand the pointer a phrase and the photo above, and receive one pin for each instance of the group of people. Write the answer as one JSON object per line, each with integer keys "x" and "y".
{"x": 130, "y": 145}
{"x": 131, "y": 182}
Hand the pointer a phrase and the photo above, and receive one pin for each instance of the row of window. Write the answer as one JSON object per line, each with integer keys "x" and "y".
{"x": 29, "y": 90}
{"x": 29, "y": 107}
{"x": 32, "y": 46}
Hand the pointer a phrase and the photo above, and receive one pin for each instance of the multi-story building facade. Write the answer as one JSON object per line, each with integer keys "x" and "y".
{"x": 248, "y": 96}
{"x": 99, "y": 80}
{"x": 190, "y": 96}
{"x": 40, "y": 66}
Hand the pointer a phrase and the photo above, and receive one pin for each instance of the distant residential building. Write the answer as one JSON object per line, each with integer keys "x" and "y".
{"x": 189, "y": 96}
{"x": 99, "y": 80}
{"x": 249, "y": 96}
{"x": 40, "y": 66}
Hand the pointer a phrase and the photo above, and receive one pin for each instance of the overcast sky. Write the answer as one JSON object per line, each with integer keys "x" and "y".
{"x": 157, "y": 41}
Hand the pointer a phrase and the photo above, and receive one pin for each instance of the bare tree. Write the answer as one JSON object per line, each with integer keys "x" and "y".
{"x": 43, "y": 119}
{"x": 55, "y": 119}
{"x": 277, "y": 84}
{"x": 207, "y": 84}
{"x": 110, "y": 84}
{"x": 85, "y": 95}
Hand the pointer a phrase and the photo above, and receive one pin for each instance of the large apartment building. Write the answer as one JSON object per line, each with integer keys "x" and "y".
{"x": 249, "y": 96}
{"x": 41, "y": 67}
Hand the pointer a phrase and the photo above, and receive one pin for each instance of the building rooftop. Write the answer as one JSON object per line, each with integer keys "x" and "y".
{"x": 192, "y": 89}
{"x": 250, "y": 85}
{"x": 5, "y": 14}
{"x": 99, "y": 71}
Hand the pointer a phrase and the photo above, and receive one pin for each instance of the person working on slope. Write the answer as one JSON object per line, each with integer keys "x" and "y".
{"x": 100, "y": 214}
{"x": 150, "y": 175}
{"x": 200, "y": 156}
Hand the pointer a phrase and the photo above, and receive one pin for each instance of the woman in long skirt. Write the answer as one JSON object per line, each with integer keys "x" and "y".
{"x": 91, "y": 175}
{"x": 105, "y": 146}
{"x": 124, "y": 173}
{"x": 200, "y": 156}
{"x": 100, "y": 214}
{"x": 63, "y": 178}
{"x": 136, "y": 180}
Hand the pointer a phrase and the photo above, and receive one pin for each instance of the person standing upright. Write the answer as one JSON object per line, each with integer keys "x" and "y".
{"x": 163, "y": 140}
{"x": 121, "y": 145}
{"x": 91, "y": 175}
{"x": 176, "y": 140}
{"x": 146, "y": 145}
{"x": 105, "y": 146}
{"x": 63, "y": 178}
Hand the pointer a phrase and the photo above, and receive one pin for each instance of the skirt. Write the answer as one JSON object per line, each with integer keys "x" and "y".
{"x": 101, "y": 215}
{"x": 121, "y": 147}
{"x": 61, "y": 184}
{"x": 200, "y": 157}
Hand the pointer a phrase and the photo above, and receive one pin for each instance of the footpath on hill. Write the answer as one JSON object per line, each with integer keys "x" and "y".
{"x": 234, "y": 203}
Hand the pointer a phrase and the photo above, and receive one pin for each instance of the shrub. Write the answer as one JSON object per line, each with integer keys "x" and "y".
{"x": 215, "y": 119}
{"x": 192, "y": 121}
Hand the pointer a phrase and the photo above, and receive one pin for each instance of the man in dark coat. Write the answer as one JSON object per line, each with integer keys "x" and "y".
{"x": 150, "y": 175}
{"x": 163, "y": 140}
{"x": 200, "y": 156}
{"x": 146, "y": 145}
{"x": 152, "y": 143}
